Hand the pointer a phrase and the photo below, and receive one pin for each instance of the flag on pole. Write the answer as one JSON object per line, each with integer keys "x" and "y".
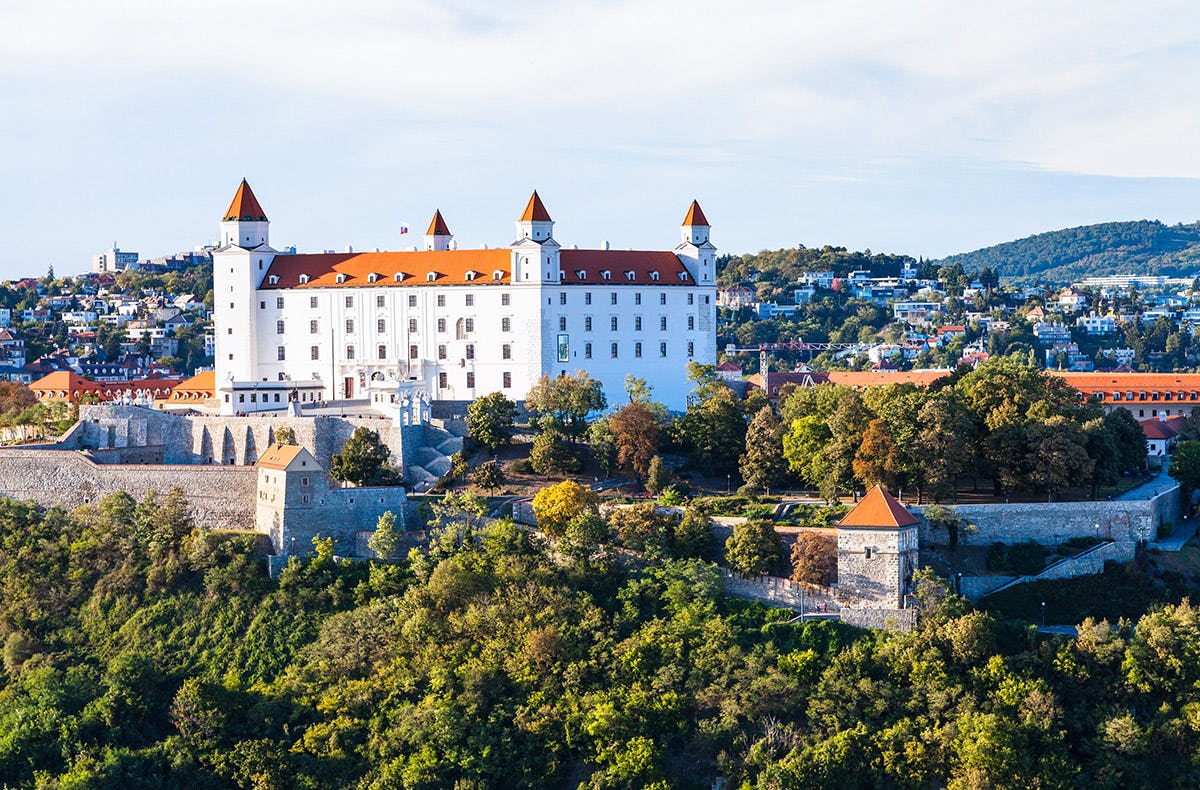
{"x": 403, "y": 228}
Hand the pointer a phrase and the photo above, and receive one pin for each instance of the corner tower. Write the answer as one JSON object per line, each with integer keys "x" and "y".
{"x": 695, "y": 251}
{"x": 244, "y": 224}
{"x": 438, "y": 236}
{"x": 876, "y": 552}
{"x": 535, "y": 258}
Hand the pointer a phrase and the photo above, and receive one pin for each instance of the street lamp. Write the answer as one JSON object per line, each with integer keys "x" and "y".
{"x": 959, "y": 588}
{"x": 1043, "y": 614}
{"x": 728, "y": 482}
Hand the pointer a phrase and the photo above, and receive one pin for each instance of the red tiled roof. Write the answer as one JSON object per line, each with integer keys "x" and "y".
{"x": 620, "y": 264}
{"x": 535, "y": 211}
{"x": 1163, "y": 429}
{"x": 245, "y": 206}
{"x": 437, "y": 226}
{"x": 729, "y": 367}
{"x": 881, "y": 378}
{"x": 695, "y": 216}
{"x": 878, "y": 509}
{"x": 448, "y": 266}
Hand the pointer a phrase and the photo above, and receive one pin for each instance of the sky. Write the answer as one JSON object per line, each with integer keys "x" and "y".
{"x": 922, "y": 127}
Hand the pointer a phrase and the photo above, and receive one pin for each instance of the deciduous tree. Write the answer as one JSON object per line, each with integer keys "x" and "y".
{"x": 635, "y": 432}
{"x": 763, "y": 466}
{"x": 363, "y": 460}
{"x": 753, "y": 548}
{"x": 564, "y": 402}
{"x": 490, "y": 420}
{"x": 814, "y": 559}
{"x": 556, "y": 505}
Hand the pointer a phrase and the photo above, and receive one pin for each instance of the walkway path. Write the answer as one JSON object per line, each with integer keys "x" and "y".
{"x": 1151, "y": 488}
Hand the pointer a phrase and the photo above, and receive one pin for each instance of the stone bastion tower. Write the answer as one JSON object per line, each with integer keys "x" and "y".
{"x": 877, "y": 553}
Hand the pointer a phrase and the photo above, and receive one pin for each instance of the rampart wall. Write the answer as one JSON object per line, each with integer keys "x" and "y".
{"x": 220, "y": 497}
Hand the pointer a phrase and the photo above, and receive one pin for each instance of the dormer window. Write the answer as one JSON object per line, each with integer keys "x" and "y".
{"x": 629, "y": 276}
{"x": 470, "y": 276}
{"x": 654, "y": 276}
{"x": 303, "y": 279}
{"x": 431, "y": 276}
{"x": 497, "y": 274}
{"x": 606, "y": 274}
{"x": 398, "y": 277}
{"x": 683, "y": 276}
{"x": 273, "y": 279}
{"x": 581, "y": 274}
{"x": 341, "y": 278}
{"x": 372, "y": 277}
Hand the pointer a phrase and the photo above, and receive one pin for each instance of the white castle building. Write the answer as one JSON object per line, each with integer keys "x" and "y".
{"x": 458, "y": 323}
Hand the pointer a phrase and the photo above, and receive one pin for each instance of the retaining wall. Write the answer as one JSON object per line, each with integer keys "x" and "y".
{"x": 220, "y": 497}
{"x": 779, "y": 592}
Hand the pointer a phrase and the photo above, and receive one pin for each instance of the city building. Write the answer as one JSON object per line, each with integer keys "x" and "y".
{"x": 114, "y": 260}
{"x": 459, "y": 323}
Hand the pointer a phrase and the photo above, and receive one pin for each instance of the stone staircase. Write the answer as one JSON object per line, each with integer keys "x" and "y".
{"x": 442, "y": 440}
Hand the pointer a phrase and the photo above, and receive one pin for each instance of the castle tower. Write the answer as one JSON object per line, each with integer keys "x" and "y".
{"x": 438, "y": 236}
{"x": 536, "y": 252}
{"x": 240, "y": 264}
{"x": 245, "y": 223}
{"x": 877, "y": 553}
{"x": 695, "y": 251}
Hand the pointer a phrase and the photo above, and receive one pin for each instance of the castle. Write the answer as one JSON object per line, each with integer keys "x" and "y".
{"x": 458, "y": 323}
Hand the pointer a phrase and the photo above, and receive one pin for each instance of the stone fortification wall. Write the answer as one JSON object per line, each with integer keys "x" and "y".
{"x": 219, "y": 497}
{"x": 344, "y": 514}
{"x": 779, "y": 592}
{"x": 225, "y": 440}
{"x": 888, "y": 619}
{"x": 1088, "y": 563}
{"x": 1049, "y": 523}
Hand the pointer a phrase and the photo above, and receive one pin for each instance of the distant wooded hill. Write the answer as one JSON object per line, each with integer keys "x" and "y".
{"x": 1062, "y": 256}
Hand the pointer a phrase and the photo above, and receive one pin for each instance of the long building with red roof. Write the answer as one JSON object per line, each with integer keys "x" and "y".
{"x": 458, "y": 323}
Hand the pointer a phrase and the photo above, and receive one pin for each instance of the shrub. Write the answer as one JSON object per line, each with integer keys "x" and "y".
{"x": 1019, "y": 559}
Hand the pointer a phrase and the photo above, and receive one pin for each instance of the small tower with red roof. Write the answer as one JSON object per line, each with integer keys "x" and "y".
{"x": 244, "y": 224}
{"x": 695, "y": 251}
{"x": 877, "y": 553}
{"x": 535, "y": 252}
{"x": 438, "y": 236}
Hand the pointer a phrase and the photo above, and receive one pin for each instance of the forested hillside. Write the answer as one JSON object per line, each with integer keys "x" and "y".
{"x": 138, "y": 652}
{"x": 1062, "y": 256}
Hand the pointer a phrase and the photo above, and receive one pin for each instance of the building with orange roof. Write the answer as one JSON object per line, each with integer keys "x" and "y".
{"x": 460, "y": 323}
{"x": 198, "y": 392}
{"x": 877, "y": 553}
{"x": 64, "y": 386}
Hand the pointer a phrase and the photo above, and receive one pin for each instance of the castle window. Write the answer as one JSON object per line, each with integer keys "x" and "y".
{"x": 637, "y": 350}
{"x": 470, "y": 325}
{"x": 303, "y": 279}
{"x": 381, "y": 352}
{"x": 691, "y": 349}
{"x": 372, "y": 277}
{"x": 273, "y": 279}
{"x": 581, "y": 274}
{"x": 470, "y": 300}
{"x": 587, "y": 297}
{"x": 441, "y": 352}
{"x": 506, "y": 351}
{"x": 399, "y": 278}
{"x": 379, "y": 301}
{"x": 506, "y": 324}
{"x": 867, "y": 552}
{"x": 637, "y": 298}
{"x": 662, "y": 323}
{"x": 662, "y": 298}
{"x": 279, "y": 353}
{"x": 691, "y": 323}
{"x": 587, "y": 323}
{"x": 629, "y": 276}
{"x": 587, "y": 350}
{"x": 349, "y": 352}
{"x": 312, "y": 302}
{"x": 662, "y": 349}
{"x": 312, "y": 327}
{"x": 315, "y": 351}
{"x": 507, "y": 380}
{"x": 412, "y": 300}
{"x": 637, "y": 323}
{"x": 691, "y": 298}
{"x": 442, "y": 380}
{"x": 349, "y": 326}
{"x": 612, "y": 323}
{"x": 706, "y": 298}
{"x": 349, "y": 301}
{"x": 469, "y": 276}
{"x": 606, "y": 275}
{"x": 441, "y": 325}
{"x": 470, "y": 380}
{"x": 654, "y": 276}
{"x": 341, "y": 278}
{"x": 441, "y": 300}
{"x": 470, "y": 350}
{"x": 505, "y": 299}
{"x": 562, "y": 323}
{"x": 562, "y": 297}
{"x": 497, "y": 274}
{"x": 430, "y": 276}
{"x": 612, "y": 298}
{"x": 279, "y": 327}
{"x": 412, "y": 325}
{"x": 683, "y": 276}
{"x": 412, "y": 352}
{"x": 613, "y": 351}
{"x": 380, "y": 325}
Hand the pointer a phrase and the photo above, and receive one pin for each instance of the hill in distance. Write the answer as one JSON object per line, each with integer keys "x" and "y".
{"x": 1062, "y": 256}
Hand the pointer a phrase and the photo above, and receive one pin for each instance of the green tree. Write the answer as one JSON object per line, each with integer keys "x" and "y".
{"x": 563, "y": 403}
{"x": 491, "y": 419}
{"x": 488, "y": 475}
{"x": 804, "y": 448}
{"x": 552, "y": 453}
{"x": 642, "y": 527}
{"x": 877, "y": 461}
{"x": 694, "y": 535}
{"x": 1058, "y": 454}
{"x": 753, "y": 548}
{"x": 363, "y": 460}
{"x": 603, "y": 445}
{"x": 658, "y": 476}
{"x": 763, "y": 465}
{"x": 713, "y": 431}
{"x": 386, "y": 538}
{"x": 1185, "y": 464}
{"x": 945, "y": 446}
{"x": 286, "y": 435}
{"x": 554, "y": 506}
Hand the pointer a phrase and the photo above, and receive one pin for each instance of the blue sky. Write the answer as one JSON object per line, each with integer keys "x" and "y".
{"x": 922, "y": 127}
